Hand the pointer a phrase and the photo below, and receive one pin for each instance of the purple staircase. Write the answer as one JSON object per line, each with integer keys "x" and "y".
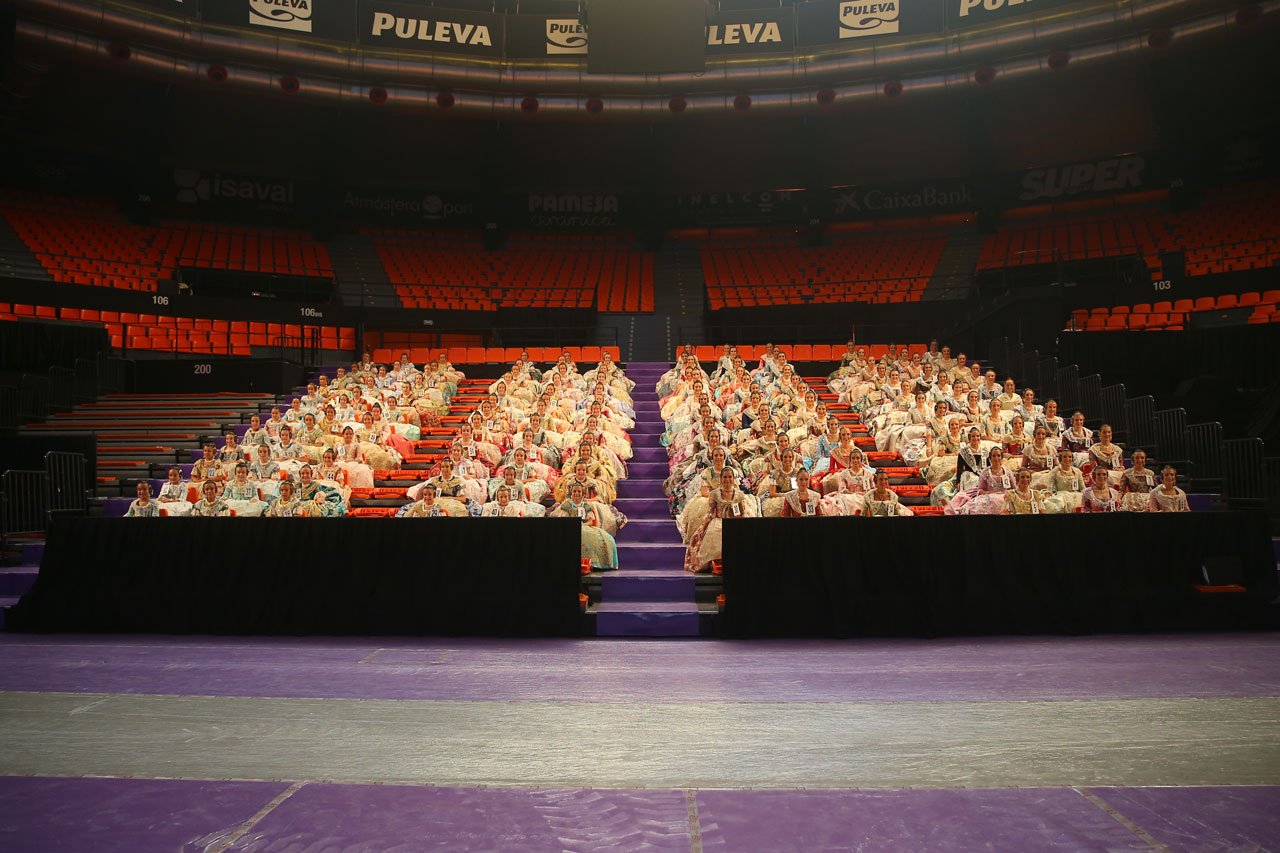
{"x": 16, "y": 580}
{"x": 651, "y": 595}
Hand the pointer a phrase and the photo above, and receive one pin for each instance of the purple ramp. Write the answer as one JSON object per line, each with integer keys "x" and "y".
{"x": 1025, "y": 820}
{"x": 126, "y": 815}
{"x": 363, "y": 817}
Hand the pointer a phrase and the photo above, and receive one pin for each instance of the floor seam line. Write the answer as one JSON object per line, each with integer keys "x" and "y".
{"x": 695, "y": 825}
{"x": 1121, "y": 819}
{"x": 249, "y": 824}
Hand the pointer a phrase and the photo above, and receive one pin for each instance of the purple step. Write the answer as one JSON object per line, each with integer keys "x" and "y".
{"x": 5, "y": 603}
{"x": 32, "y": 553}
{"x": 642, "y": 508}
{"x": 637, "y": 555}
{"x": 1200, "y": 502}
{"x": 630, "y": 488}
{"x": 15, "y": 580}
{"x": 115, "y": 507}
{"x": 648, "y": 470}
{"x": 647, "y": 619}
{"x": 668, "y": 585}
{"x": 651, "y": 531}
{"x": 649, "y": 454}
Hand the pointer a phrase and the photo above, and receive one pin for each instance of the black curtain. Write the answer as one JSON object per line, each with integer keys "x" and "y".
{"x": 506, "y": 577}
{"x": 993, "y": 574}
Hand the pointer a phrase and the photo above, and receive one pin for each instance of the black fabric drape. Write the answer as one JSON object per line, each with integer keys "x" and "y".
{"x": 992, "y": 574}
{"x": 308, "y": 576}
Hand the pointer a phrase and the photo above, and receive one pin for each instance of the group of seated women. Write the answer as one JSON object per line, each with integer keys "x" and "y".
{"x": 756, "y": 441}
{"x": 551, "y": 443}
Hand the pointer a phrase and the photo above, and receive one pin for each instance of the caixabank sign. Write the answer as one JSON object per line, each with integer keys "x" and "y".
{"x": 328, "y": 19}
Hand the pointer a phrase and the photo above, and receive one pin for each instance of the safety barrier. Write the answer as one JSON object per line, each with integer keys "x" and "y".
{"x": 1090, "y": 396}
{"x": 1242, "y": 470}
{"x": 1112, "y": 409}
{"x": 1204, "y": 445}
{"x": 26, "y": 507}
{"x": 68, "y": 480}
{"x": 1068, "y": 390}
{"x": 1171, "y": 434}
{"x": 62, "y": 389}
{"x": 1140, "y": 412}
{"x": 10, "y": 401}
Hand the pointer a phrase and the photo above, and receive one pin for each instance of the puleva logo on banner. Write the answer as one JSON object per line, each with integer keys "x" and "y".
{"x": 193, "y": 187}
{"x": 755, "y": 32}
{"x": 385, "y": 23}
{"x": 967, "y": 6}
{"x": 868, "y": 19}
{"x": 565, "y": 36}
{"x": 283, "y": 14}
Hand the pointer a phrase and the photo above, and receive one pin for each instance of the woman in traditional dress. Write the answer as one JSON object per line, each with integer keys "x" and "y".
{"x": 1065, "y": 485}
{"x": 450, "y": 489}
{"x": 846, "y": 489}
{"x": 320, "y": 498}
{"x": 1039, "y": 456}
{"x": 208, "y": 467}
{"x": 532, "y": 485}
{"x": 351, "y": 459}
{"x": 241, "y": 493}
{"x": 987, "y": 498}
{"x": 503, "y": 506}
{"x": 597, "y": 545}
{"x": 330, "y": 472}
{"x": 143, "y": 506}
{"x": 173, "y": 495}
{"x": 289, "y": 454}
{"x": 211, "y": 505}
{"x": 1053, "y": 425}
{"x": 425, "y": 506}
{"x": 802, "y": 501}
{"x": 266, "y": 474}
{"x": 1021, "y": 500}
{"x": 1167, "y": 497}
{"x": 706, "y": 541}
{"x": 881, "y": 501}
{"x": 1107, "y": 458}
{"x": 1136, "y": 484}
{"x": 1100, "y": 497}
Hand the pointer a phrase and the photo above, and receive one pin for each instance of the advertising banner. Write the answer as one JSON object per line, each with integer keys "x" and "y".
{"x": 232, "y": 193}
{"x": 891, "y": 200}
{"x": 751, "y": 31}
{"x": 843, "y": 21}
{"x": 407, "y": 206}
{"x": 738, "y": 207}
{"x": 329, "y": 19}
{"x": 545, "y": 37}
{"x": 431, "y": 29}
{"x": 571, "y": 210}
{"x": 1047, "y": 184}
{"x": 969, "y": 13}
{"x": 186, "y": 8}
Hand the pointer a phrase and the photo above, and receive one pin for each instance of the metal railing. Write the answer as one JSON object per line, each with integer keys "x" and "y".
{"x": 1068, "y": 395}
{"x": 10, "y": 403}
{"x": 1140, "y": 415}
{"x": 86, "y": 380}
{"x": 68, "y": 480}
{"x": 1112, "y": 408}
{"x": 26, "y": 508}
{"x": 115, "y": 375}
{"x": 1242, "y": 470}
{"x": 1171, "y": 434}
{"x": 33, "y": 402}
{"x": 1204, "y": 445}
{"x": 62, "y": 389}
{"x": 1090, "y": 396}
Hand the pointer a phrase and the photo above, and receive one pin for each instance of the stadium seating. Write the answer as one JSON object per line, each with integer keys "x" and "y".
{"x": 182, "y": 334}
{"x": 1234, "y": 229}
{"x": 876, "y": 267}
{"x": 1171, "y": 315}
{"x": 435, "y": 269}
{"x": 80, "y": 241}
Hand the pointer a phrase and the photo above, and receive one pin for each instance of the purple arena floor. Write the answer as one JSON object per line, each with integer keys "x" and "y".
{"x": 183, "y": 810}
{"x": 1026, "y": 669}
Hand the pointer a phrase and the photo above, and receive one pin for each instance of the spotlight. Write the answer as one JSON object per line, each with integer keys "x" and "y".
{"x": 1058, "y": 60}
{"x": 529, "y": 104}
{"x": 742, "y": 103}
{"x": 1160, "y": 37}
{"x": 444, "y": 100}
{"x": 119, "y": 51}
{"x": 217, "y": 73}
{"x": 378, "y": 95}
{"x": 984, "y": 75}
{"x": 677, "y": 104}
{"x": 594, "y": 105}
{"x": 892, "y": 89}
{"x": 290, "y": 84}
{"x": 826, "y": 97}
